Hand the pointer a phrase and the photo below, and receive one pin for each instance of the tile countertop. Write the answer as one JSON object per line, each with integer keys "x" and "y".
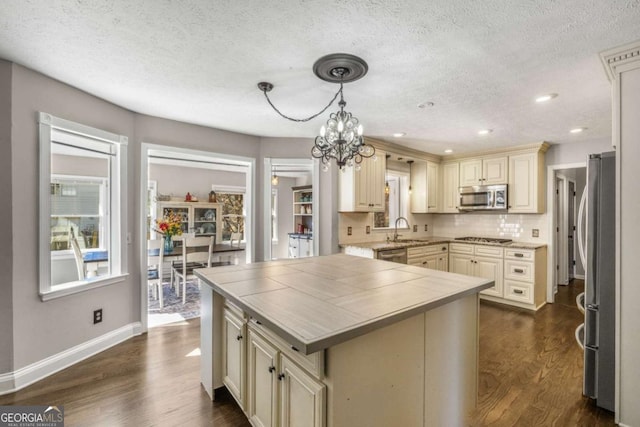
{"x": 318, "y": 302}
{"x": 411, "y": 243}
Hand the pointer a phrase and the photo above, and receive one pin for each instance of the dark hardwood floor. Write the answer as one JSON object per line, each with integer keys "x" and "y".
{"x": 530, "y": 375}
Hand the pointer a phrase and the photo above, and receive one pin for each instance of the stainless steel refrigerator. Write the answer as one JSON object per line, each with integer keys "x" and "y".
{"x": 598, "y": 249}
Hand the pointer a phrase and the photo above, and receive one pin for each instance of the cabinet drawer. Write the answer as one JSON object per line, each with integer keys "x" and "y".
{"x": 521, "y": 254}
{"x": 234, "y": 309}
{"x": 518, "y": 291}
{"x": 416, "y": 251}
{"x": 490, "y": 251}
{"x": 436, "y": 249}
{"x": 461, "y": 248}
{"x": 518, "y": 270}
{"x": 417, "y": 260}
{"x": 312, "y": 363}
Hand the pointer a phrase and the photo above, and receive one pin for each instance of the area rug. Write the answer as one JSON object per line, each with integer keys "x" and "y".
{"x": 174, "y": 310}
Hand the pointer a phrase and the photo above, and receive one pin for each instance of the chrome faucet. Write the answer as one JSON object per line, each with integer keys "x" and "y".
{"x": 395, "y": 233}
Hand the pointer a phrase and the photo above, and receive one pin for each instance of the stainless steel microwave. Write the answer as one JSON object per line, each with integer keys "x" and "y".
{"x": 483, "y": 198}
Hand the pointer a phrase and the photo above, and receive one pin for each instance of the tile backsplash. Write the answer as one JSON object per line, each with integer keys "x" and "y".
{"x": 518, "y": 227}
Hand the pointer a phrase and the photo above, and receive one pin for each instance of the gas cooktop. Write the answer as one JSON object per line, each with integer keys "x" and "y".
{"x": 483, "y": 239}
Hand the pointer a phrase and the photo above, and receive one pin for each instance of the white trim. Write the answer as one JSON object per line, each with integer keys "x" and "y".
{"x": 71, "y": 288}
{"x": 23, "y": 377}
{"x": 578, "y": 276}
{"x": 551, "y": 206}
{"x": 230, "y": 189}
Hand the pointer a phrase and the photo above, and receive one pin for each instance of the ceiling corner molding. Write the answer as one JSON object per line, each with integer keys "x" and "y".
{"x": 617, "y": 56}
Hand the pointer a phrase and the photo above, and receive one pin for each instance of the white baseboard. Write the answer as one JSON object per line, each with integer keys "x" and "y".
{"x": 578, "y": 276}
{"x": 16, "y": 380}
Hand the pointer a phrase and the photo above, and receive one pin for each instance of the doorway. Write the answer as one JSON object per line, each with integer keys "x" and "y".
{"x": 291, "y": 223}
{"x": 565, "y": 187}
{"x": 172, "y": 177}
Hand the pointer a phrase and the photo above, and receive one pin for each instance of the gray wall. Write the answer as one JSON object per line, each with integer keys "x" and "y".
{"x": 178, "y": 180}
{"x": 560, "y": 154}
{"x": 6, "y": 249}
{"x": 41, "y": 329}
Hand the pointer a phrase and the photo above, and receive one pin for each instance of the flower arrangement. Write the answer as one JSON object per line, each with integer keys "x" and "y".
{"x": 170, "y": 225}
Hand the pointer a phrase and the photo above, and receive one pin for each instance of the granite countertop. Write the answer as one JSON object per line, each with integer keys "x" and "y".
{"x": 410, "y": 243}
{"x": 317, "y": 302}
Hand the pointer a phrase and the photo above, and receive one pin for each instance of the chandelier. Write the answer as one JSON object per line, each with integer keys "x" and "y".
{"x": 341, "y": 138}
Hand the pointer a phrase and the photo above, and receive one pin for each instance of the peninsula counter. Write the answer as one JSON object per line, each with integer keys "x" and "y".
{"x": 341, "y": 340}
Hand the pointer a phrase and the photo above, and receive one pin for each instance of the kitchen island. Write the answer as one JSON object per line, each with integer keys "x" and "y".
{"x": 341, "y": 341}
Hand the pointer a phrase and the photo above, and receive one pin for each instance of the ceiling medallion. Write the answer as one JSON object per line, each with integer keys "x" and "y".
{"x": 341, "y": 139}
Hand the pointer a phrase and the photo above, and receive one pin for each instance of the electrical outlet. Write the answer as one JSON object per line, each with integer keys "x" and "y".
{"x": 349, "y": 231}
{"x": 97, "y": 316}
{"x": 426, "y": 227}
{"x": 535, "y": 232}
{"x": 368, "y": 229}
{"x": 415, "y": 228}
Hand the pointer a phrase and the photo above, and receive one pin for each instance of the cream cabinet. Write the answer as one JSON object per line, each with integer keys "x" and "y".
{"x": 525, "y": 277}
{"x": 424, "y": 195}
{"x": 526, "y": 183}
{"x": 363, "y": 190}
{"x": 435, "y": 257}
{"x": 479, "y": 261}
{"x": 234, "y": 335}
{"x": 485, "y": 171}
{"x": 450, "y": 187}
{"x": 280, "y": 391}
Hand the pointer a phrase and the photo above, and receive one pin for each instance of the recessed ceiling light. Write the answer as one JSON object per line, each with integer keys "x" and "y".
{"x": 448, "y": 151}
{"x": 399, "y": 134}
{"x": 577, "y": 130}
{"x": 547, "y": 97}
{"x": 426, "y": 104}
{"x": 485, "y": 131}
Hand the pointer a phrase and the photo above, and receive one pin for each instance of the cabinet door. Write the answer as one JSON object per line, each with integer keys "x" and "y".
{"x": 431, "y": 262}
{"x": 461, "y": 264}
{"x": 302, "y": 398}
{"x": 471, "y": 172}
{"x": 233, "y": 356}
{"x": 490, "y": 268}
{"x": 432, "y": 187}
{"x": 304, "y": 247}
{"x": 294, "y": 247}
{"x": 263, "y": 382}
{"x": 443, "y": 262}
{"x": 523, "y": 184}
{"x": 450, "y": 187}
{"x": 419, "y": 187}
{"x": 376, "y": 172}
{"x": 494, "y": 171}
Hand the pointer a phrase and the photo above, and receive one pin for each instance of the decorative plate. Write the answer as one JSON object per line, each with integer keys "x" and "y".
{"x": 210, "y": 215}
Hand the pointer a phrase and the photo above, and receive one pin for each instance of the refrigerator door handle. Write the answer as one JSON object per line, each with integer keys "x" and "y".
{"x": 582, "y": 247}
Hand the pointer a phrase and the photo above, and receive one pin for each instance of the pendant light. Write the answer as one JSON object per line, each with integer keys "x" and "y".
{"x": 410, "y": 163}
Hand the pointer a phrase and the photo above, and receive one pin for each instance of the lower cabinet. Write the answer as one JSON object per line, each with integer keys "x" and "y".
{"x": 479, "y": 261}
{"x": 434, "y": 257}
{"x": 281, "y": 393}
{"x": 234, "y": 335}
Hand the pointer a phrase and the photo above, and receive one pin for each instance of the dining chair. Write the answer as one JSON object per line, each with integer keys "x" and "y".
{"x": 77, "y": 253}
{"x": 155, "y": 254}
{"x": 196, "y": 253}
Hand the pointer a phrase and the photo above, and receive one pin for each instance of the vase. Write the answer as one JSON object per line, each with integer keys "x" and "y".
{"x": 168, "y": 244}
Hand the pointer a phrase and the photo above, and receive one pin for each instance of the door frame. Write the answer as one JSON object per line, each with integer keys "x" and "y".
{"x": 552, "y": 247}
{"x": 571, "y": 202}
{"x": 145, "y": 148}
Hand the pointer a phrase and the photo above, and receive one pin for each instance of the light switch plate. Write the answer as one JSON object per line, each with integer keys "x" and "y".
{"x": 426, "y": 227}
{"x": 349, "y": 231}
{"x": 368, "y": 229}
{"x": 415, "y": 228}
{"x": 535, "y": 232}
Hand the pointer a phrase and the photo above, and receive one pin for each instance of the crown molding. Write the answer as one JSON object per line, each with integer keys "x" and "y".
{"x": 612, "y": 58}
{"x": 402, "y": 150}
{"x": 541, "y": 147}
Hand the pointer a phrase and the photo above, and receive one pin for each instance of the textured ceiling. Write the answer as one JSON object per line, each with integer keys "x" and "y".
{"x": 481, "y": 63}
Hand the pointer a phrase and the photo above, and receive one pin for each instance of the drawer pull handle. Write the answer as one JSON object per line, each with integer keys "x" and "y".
{"x": 518, "y": 255}
{"x": 444, "y": 248}
{"x": 280, "y": 377}
{"x": 518, "y": 270}
{"x": 518, "y": 291}
{"x": 272, "y": 368}
{"x": 239, "y": 337}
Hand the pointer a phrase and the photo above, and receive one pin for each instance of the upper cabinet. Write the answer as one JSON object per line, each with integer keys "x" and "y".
{"x": 526, "y": 183}
{"x": 363, "y": 190}
{"x": 450, "y": 187}
{"x": 424, "y": 187}
{"x": 484, "y": 171}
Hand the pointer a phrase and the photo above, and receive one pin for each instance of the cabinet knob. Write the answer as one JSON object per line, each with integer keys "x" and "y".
{"x": 424, "y": 262}
{"x": 272, "y": 368}
{"x": 444, "y": 248}
{"x": 280, "y": 377}
{"x": 239, "y": 337}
